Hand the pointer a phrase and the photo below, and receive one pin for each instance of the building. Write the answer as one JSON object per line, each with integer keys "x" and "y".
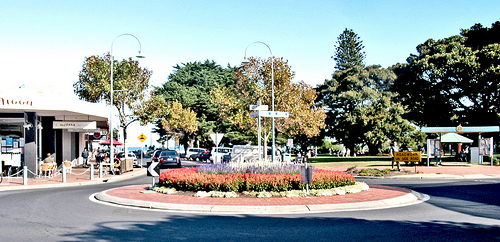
{"x": 34, "y": 123}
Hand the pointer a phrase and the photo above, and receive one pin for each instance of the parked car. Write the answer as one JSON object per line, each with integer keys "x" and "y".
{"x": 226, "y": 158}
{"x": 169, "y": 158}
{"x": 130, "y": 155}
{"x": 193, "y": 151}
{"x": 196, "y": 156}
{"x": 155, "y": 155}
{"x": 218, "y": 153}
{"x": 205, "y": 157}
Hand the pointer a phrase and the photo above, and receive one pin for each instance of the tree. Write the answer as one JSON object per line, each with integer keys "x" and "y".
{"x": 361, "y": 110}
{"x": 454, "y": 80}
{"x": 190, "y": 85}
{"x": 348, "y": 50}
{"x": 130, "y": 83}
{"x": 179, "y": 121}
{"x": 254, "y": 84}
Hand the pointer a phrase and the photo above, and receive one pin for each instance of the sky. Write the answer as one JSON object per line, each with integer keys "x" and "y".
{"x": 44, "y": 43}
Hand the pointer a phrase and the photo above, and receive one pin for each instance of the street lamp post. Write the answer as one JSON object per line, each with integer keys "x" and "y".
{"x": 111, "y": 148}
{"x": 272, "y": 93}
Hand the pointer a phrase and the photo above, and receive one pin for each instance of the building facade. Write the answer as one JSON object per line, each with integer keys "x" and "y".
{"x": 34, "y": 123}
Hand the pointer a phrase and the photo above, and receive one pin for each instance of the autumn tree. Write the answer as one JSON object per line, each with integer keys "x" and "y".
{"x": 254, "y": 84}
{"x": 130, "y": 83}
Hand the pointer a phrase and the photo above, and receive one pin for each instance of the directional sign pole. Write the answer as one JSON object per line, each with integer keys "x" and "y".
{"x": 258, "y": 137}
{"x": 259, "y": 108}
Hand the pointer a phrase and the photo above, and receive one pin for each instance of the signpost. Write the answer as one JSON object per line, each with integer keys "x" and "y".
{"x": 142, "y": 138}
{"x": 153, "y": 170}
{"x": 217, "y": 137}
{"x": 408, "y": 156}
{"x": 258, "y": 108}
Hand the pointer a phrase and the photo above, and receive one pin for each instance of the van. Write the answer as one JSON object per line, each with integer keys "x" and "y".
{"x": 250, "y": 153}
{"x": 192, "y": 151}
{"x": 218, "y": 153}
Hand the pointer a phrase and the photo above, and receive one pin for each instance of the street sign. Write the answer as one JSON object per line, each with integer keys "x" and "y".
{"x": 270, "y": 114}
{"x": 289, "y": 143}
{"x": 142, "y": 137}
{"x": 153, "y": 169}
{"x": 259, "y": 107}
{"x": 274, "y": 114}
{"x": 217, "y": 137}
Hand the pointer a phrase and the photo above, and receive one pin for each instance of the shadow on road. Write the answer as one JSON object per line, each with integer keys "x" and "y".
{"x": 474, "y": 197}
{"x": 255, "y": 228}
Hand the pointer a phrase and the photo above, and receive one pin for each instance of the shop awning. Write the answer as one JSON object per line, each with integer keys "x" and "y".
{"x": 107, "y": 142}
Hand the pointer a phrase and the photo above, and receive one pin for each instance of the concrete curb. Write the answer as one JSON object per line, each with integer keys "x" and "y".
{"x": 72, "y": 184}
{"x": 405, "y": 200}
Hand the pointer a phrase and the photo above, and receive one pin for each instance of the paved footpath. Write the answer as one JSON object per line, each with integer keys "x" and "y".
{"x": 376, "y": 197}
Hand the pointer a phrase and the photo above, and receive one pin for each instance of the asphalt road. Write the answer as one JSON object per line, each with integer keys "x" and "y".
{"x": 458, "y": 210}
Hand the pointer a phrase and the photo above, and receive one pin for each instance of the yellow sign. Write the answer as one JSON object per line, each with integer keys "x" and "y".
{"x": 142, "y": 137}
{"x": 414, "y": 156}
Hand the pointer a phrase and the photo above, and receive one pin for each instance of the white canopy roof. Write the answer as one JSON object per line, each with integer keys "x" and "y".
{"x": 455, "y": 138}
{"x": 51, "y": 103}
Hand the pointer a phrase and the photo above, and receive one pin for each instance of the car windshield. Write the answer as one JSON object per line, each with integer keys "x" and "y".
{"x": 168, "y": 153}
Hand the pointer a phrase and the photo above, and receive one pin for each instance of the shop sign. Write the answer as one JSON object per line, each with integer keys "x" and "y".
{"x": 15, "y": 102}
{"x": 74, "y": 125}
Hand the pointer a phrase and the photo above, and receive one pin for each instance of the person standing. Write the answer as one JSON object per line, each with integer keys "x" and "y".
{"x": 85, "y": 156}
{"x": 394, "y": 148}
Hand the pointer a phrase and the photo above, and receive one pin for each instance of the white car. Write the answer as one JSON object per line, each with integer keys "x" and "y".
{"x": 192, "y": 151}
{"x": 218, "y": 153}
{"x": 130, "y": 155}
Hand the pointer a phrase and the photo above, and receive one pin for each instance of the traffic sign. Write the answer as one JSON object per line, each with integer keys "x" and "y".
{"x": 142, "y": 137}
{"x": 259, "y": 107}
{"x": 274, "y": 114}
{"x": 270, "y": 114}
{"x": 153, "y": 169}
{"x": 217, "y": 137}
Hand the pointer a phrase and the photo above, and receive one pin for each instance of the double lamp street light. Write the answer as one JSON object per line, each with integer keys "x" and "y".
{"x": 111, "y": 148}
{"x": 111, "y": 155}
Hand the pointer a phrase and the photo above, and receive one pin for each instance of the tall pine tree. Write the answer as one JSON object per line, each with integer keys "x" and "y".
{"x": 348, "y": 50}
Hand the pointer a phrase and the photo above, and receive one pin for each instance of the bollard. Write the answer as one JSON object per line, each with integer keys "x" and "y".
{"x": 64, "y": 173}
{"x": 25, "y": 175}
{"x": 100, "y": 171}
{"x": 91, "y": 172}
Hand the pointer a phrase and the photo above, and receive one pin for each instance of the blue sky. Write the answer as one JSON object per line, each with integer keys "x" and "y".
{"x": 44, "y": 43}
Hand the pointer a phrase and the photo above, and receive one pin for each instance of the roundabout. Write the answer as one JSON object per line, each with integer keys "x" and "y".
{"x": 377, "y": 197}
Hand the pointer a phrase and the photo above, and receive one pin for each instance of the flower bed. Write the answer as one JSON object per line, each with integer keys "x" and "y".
{"x": 226, "y": 179}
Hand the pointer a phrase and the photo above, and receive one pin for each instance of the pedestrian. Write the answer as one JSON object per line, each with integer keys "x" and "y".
{"x": 48, "y": 159}
{"x": 85, "y": 156}
{"x": 100, "y": 154}
{"x": 394, "y": 149}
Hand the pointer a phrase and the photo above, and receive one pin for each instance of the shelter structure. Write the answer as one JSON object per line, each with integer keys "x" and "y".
{"x": 36, "y": 122}
{"x": 452, "y": 135}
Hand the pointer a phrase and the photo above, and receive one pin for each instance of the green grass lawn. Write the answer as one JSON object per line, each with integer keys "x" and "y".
{"x": 367, "y": 161}
{"x": 360, "y": 161}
